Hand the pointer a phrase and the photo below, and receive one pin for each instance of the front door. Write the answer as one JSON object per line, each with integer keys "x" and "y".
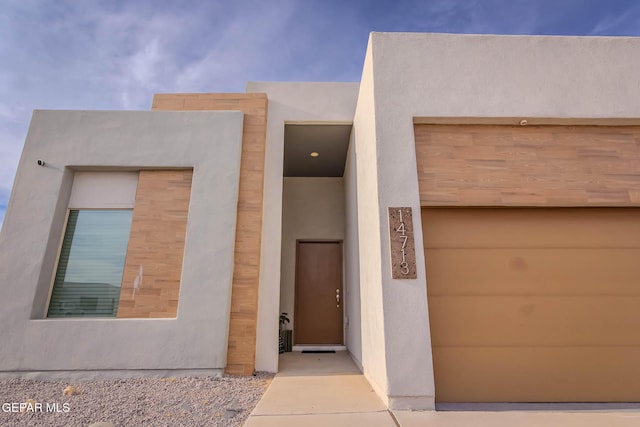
{"x": 318, "y": 299}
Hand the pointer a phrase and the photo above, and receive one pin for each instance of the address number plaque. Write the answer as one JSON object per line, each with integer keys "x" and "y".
{"x": 403, "y": 249}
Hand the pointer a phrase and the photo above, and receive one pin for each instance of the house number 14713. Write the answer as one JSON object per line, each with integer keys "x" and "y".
{"x": 403, "y": 253}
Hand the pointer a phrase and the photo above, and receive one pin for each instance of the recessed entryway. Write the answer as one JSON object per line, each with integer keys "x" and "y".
{"x": 313, "y": 229}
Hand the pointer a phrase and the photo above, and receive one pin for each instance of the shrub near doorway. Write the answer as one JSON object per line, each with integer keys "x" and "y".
{"x": 285, "y": 334}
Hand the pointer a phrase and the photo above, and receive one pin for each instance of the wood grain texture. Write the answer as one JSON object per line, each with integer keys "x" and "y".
{"x": 156, "y": 244}
{"x": 318, "y": 314}
{"x": 534, "y": 305}
{"x": 482, "y": 165}
{"x": 244, "y": 295}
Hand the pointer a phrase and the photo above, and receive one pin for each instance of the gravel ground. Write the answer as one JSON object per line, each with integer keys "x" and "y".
{"x": 187, "y": 401}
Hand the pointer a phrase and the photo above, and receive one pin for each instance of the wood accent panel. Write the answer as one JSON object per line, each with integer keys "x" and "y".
{"x": 244, "y": 295}
{"x": 488, "y": 165}
{"x": 156, "y": 245}
{"x": 534, "y": 305}
{"x": 318, "y": 313}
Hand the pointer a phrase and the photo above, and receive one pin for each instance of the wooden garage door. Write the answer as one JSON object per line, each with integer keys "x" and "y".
{"x": 534, "y": 305}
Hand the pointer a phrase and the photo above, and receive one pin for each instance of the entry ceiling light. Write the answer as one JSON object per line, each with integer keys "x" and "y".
{"x": 314, "y": 154}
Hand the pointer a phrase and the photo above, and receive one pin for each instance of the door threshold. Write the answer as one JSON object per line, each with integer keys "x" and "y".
{"x": 319, "y": 347}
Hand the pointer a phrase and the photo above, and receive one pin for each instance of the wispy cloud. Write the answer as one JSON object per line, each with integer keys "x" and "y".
{"x": 465, "y": 16}
{"x": 624, "y": 22}
{"x": 246, "y": 43}
{"x": 115, "y": 55}
{"x": 99, "y": 54}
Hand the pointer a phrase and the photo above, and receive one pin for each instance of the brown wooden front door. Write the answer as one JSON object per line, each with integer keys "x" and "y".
{"x": 318, "y": 299}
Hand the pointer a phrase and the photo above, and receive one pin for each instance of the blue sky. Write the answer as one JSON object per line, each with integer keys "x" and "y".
{"x": 91, "y": 54}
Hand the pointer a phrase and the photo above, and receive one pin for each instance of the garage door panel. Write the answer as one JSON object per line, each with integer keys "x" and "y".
{"x": 541, "y": 271}
{"x": 543, "y": 321}
{"x": 517, "y": 374}
{"x": 522, "y": 228}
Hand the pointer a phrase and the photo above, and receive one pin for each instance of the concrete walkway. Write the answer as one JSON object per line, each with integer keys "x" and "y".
{"x": 328, "y": 389}
{"x": 319, "y": 390}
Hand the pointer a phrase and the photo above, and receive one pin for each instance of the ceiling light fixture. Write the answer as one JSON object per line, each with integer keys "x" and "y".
{"x": 314, "y": 154}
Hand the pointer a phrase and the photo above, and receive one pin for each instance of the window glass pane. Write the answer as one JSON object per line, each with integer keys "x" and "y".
{"x": 89, "y": 275}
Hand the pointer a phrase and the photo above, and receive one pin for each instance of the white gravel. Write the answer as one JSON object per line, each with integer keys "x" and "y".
{"x": 186, "y": 401}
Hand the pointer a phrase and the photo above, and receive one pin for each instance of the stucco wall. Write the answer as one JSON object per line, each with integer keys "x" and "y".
{"x": 312, "y": 209}
{"x": 374, "y": 360}
{"x": 290, "y": 102}
{"x": 210, "y": 142}
{"x": 470, "y": 78}
{"x": 353, "y": 320}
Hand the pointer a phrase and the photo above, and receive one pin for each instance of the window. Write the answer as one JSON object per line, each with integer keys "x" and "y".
{"x": 88, "y": 278}
{"x": 89, "y": 275}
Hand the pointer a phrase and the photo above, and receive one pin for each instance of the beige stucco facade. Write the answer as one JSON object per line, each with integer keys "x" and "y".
{"x": 461, "y": 78}
{"x": 70, "y": 141}
{"x": 244, "y": 216}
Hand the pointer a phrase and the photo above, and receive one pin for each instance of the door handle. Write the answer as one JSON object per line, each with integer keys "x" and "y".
{"x": 337, "y": 297}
